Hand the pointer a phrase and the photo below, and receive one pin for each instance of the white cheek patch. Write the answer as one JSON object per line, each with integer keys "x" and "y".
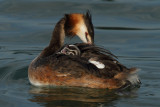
{"x": 81, "y": 33}
{"x": 97, "y": 64}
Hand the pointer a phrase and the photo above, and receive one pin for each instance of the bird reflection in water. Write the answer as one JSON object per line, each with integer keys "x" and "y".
{"x": 72, "y": 96}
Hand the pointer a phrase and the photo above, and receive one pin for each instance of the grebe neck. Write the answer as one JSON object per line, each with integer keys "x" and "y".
{"x": 57, "y": 39}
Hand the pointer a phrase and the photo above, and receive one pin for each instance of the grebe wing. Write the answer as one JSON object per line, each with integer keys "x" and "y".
{"x": 78, "y": 66}
{"x": 72, "y": 65}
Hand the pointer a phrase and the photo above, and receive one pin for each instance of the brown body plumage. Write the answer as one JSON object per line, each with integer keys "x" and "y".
{"x": 107, "y": 64}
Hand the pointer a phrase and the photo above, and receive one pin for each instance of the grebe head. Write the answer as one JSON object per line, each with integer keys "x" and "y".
{"x": 70, "y": 50}
{"x": 80, "y": 25}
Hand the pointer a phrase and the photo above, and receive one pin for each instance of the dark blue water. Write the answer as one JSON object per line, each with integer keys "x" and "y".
{"x": 128, "y": 28}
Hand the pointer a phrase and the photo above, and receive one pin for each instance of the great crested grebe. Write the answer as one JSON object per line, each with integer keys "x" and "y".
{"x": 82, "y": 65}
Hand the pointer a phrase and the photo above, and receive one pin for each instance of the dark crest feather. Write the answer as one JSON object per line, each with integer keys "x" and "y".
{"x": 88, "y": 22}
{"x": 88, "y": 15}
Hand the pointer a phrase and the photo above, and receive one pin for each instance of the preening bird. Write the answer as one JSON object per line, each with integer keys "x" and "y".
{"x": 81, "y": 64}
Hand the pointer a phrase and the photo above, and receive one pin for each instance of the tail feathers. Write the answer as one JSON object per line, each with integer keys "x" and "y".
{"x": 133, "y": 77}
{"x": 130, "y": 78}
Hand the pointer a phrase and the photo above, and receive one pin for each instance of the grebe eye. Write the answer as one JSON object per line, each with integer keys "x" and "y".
{"x": 86, "y": 34}
{"x": 71, "y": 54}
{"x": 62, "y": 51}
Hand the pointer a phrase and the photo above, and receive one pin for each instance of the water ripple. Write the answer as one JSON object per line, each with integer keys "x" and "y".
{"x": 124, "y": 28}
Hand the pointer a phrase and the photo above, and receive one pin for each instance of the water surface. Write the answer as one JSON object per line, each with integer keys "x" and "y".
{"x": 128, "y": 28}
